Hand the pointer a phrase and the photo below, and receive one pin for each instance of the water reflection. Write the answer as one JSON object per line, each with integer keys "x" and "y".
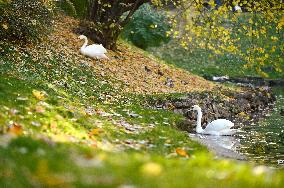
{"x": 262, "y": 145}
{"x": 222, "y": 146}
{"x": 264, "y": 142}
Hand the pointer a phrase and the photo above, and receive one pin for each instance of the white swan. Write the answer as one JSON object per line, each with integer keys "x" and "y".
{"x": 94, "y": 50}
{"x": 237, "y": 8}
{"x": 217, "y": 127}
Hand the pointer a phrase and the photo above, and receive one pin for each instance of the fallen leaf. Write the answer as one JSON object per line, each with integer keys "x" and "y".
{"x": 5, "y": 26}
{"x": 96, "y": 131}
{"x": 22, "y": 98}
{"x": 15, "y": 129}
{"x": 181, "y": 152}
{"x": 38, "y": 95}
{"x": 151, "y": 169}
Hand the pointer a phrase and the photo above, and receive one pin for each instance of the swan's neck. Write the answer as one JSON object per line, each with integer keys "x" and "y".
{"x": 85, "y": 43}
{"x": 198, "y": 126}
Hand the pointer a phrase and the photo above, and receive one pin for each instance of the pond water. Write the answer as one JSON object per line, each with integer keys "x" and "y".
{"x": 221, "y": 146}
{"x": 264, "y": 142}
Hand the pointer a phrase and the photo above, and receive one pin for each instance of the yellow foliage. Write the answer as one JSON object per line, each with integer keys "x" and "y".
{"x": 220, "y": 31}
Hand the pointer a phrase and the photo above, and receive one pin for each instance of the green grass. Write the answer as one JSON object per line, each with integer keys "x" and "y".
{"x": 80, "y": 134}
{"x": 201, "y": 61}
{"x": 204, "y": 63}
{"x": 29, "y": 162}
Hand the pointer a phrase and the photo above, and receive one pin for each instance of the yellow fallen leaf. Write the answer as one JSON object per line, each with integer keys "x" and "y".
{"x": 151, "y": 169}
{"x": 242, "y": 114}
{"x": 38, "y": 94}
{"x": 96, "y": 131}
{"x": 15, "y": 129}
{"x": 181, "y": 152}
{"x": 5, "y": 26}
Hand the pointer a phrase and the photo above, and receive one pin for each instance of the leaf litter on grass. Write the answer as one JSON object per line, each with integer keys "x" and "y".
{"x": 76, "y": 102}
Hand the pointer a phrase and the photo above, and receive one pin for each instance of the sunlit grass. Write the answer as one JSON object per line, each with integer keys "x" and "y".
{"x": 82, "y": 131}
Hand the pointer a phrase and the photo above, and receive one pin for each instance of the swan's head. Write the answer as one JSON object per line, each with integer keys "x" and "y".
{"x": 195, "y": 107}
{"x": 82, "y": 37}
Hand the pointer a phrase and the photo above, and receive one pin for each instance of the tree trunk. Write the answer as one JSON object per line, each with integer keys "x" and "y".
{"x": 107, "y": 18}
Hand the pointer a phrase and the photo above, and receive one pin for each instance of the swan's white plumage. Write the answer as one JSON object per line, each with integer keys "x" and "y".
{"x": 94, "y": 50}
{"x": 238, "y": 8}
{"x": 97, "y": 47}
{"x": 217, "y": 127}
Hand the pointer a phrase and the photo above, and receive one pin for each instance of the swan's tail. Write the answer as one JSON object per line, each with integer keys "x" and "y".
{"x": 101, "y": 56}
{"x": 104, "y": 57}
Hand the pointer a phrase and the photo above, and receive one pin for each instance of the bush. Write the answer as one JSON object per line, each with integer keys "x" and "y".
{"x": 25, "y": 21}
{"x": 147, "y": 28}
{"x": 74, "y": 8}
{"x": 81, "y": 7}
{"x": 67, "y": 7}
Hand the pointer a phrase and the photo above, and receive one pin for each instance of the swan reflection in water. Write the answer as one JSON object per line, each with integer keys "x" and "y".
{"x": 222, "y": 146}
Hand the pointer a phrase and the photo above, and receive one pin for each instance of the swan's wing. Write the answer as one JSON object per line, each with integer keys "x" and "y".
{"x": 219, "y": 125}
{"x": 97, "y": 48}
{"x": 93, "y": 51}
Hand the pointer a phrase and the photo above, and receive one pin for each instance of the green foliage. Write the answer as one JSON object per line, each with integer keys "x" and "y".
{"x": 3, "y": 1}
{"x": 24, "y": 20}
{"x": 81, "y": 7}
{"x": 147, "y": 28}
{"x": 68, "y": 7}
{"x": 74, "y": 8}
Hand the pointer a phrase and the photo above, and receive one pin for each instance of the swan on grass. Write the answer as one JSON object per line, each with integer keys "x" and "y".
{"x": 217, "y": 127}
{"x": 94, "y": 50}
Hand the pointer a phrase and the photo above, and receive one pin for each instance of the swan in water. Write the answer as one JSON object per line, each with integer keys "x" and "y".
{"x": 94, "y": 50}
{"x": 217, "y": 127}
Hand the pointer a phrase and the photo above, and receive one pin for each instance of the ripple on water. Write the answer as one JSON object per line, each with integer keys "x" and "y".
{"x": 264, "y": 142}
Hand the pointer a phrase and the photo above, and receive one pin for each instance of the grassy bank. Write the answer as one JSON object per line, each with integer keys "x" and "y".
{"x": 64, "y": 124}
{"x": 205, "y": 63}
